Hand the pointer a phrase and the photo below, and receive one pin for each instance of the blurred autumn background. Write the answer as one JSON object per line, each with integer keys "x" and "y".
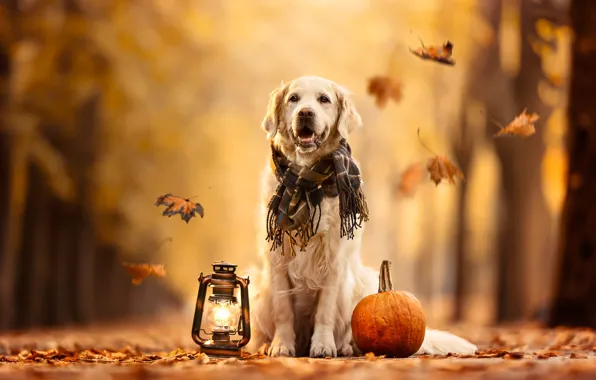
{"x": 106, "y": 104}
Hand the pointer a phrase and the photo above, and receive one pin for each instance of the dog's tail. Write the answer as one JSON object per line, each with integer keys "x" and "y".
{"x": 437, "y": 342}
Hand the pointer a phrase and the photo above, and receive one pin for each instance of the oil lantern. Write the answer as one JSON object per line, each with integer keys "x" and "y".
{"x": 220, "y": 317}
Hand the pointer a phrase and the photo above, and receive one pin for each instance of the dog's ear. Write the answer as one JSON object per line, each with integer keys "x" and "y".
{"x": 272, "y": 117}
{"x": 348, "y": 119}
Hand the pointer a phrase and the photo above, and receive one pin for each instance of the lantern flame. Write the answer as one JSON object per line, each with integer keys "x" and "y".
{"x": 222, "y": 315}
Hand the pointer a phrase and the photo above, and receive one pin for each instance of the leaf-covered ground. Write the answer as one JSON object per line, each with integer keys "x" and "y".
{"x": 164, "y": 350}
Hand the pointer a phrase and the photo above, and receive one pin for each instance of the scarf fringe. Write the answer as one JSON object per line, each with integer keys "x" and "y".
{"x": 303, "y": 234}
{"x": 353, "y": 211}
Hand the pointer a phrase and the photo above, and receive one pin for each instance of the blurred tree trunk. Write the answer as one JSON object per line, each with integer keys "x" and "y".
{"x": 523, "y": 236}
{"x": 576, "y": 287}
{"x": 463, "y": 150}
{"x": 535, "y": 236}
{"x": 34, "y": 283}
{"x": 4, "y": 185}
{"x": 463, "y": 147}
{"x": 7, "y": 253}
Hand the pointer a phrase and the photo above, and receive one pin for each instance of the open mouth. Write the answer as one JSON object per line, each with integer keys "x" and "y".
{"x": 306, "y": 137}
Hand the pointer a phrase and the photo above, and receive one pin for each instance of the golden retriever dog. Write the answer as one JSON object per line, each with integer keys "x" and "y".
{"x": 301, "y": 305}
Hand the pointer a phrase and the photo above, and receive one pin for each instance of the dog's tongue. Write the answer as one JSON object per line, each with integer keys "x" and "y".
{"x": 306, "y": 136}
{"x": 307, "y": 140}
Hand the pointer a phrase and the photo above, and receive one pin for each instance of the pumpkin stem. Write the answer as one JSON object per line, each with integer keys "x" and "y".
{"x": 385, "y": 282}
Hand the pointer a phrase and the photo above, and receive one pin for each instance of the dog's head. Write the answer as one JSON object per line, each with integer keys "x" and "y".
{"x": 309, "y": 115}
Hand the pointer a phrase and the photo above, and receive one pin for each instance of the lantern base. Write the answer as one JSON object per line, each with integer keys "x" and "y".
{"x": 221, "y": 352}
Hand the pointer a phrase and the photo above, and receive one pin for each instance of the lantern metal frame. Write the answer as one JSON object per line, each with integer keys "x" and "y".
{"x": 224, "y": 281}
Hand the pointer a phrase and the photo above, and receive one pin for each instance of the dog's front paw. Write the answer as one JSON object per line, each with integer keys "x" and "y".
{"x": 322, "y": 348}
{"x": 346, "y": 349}
{"x": 280, "y": 348}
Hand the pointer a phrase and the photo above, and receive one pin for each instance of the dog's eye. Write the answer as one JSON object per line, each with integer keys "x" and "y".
{"x": 324, "y": 99}
{"x": 294, "y": 98}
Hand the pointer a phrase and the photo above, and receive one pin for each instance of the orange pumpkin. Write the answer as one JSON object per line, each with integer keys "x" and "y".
{"x": 391, "y": 322}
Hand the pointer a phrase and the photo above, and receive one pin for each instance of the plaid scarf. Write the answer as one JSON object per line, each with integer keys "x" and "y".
{"x": 296, "y": 205}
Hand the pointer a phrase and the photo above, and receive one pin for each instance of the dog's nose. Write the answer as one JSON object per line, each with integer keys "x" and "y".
{"x": 306, "y": 113}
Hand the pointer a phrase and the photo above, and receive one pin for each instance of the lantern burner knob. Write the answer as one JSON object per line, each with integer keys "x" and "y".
{"x": 224, "y": 267}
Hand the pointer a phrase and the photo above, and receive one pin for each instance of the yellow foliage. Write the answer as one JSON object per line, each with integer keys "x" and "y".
{"x": 553, "y": 49}
{"x": 484, "y": 34}
{"x": 509, "y": 38}
{"x": 545, "y": 29}
{"x": 556, "y": 127}
{"x": 554, "y": 173}
{"x": 549, "y": 95}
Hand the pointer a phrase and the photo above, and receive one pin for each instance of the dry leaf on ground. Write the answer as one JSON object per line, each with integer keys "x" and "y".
{"x": 514, "y": 355}
{"x": 179, "y": 205}
{"x": 162, "y": 350}
{"x": 410, "y": 179}
{"x": 371, "y": 357}
{"x": 522, "y": 125}
{"x": 383, "y": 88}
{"x": 141, "y": 271}
{"x": 441, "y": 54}
{"x": 257, "y": 355}
{"x": 58, "y": 357}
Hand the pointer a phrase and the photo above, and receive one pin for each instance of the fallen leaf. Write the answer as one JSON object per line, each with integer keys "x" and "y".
{"x": 202, "y": 358}
{"x": 522, "y": 125}
{"x": 383, "y": 88}
{"x": 369, "y": 356}
{"x": 141, "y": 271}
{"x": 228, "y": 361}
{"x": 177, "y": 352}
{"x": 441, "y": 54}
{"x": 514, "y": 355}
{"x": 546, "y": 355}
{"x": 11, "y": 359}
{"x": 258, "y": 355}
{"x": 179, "y": 205}
{"x": 410, "y": 179}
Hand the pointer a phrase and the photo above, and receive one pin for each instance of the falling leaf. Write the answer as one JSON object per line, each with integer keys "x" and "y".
{"x": 383, "y": 88}
{"x": 441, "y": 54}
{"x": 141, "y": 271}
{"x": 440, "y": 168}
{"x": 410, "y": 179}
{"x": 522, "y": 125}
{"x": 179, "y": 205}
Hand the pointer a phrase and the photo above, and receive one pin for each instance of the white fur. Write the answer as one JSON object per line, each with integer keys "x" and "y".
{"x": 302, "y": 305}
